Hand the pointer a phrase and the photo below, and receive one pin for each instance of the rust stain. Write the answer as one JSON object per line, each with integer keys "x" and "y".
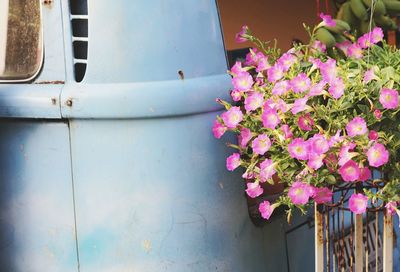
{"x": 50, "y": 82}
{"x": 181, "y": 75}
{"x": 54, "y": 101}
{"x": 48, "y": 3}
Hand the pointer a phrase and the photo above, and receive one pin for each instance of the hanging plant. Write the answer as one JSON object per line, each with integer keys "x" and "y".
{"x": 317, "y": 122}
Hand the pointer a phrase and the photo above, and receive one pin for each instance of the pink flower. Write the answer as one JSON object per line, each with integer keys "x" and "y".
{"x": 377, "y": 114}
{"x": 240, "y": 37}
{"x": 345, "y": 155}
{"x": 282, "y": 106}
{"x": 270, "y": 118}
{"x": 242, "y": 81}
{"x": 391, "y": 207}
{"x": 266, "y": 209}
{"x": 232, "y": 117}
{"x": 254, "y": 189}
{"x": 280, "y": 88}
{"x": 315, "y": 161}
{"x": 319, "y": 46}
{"x": 267, "y": 170}
{"x": 254, "y": 101}
{"x": 306, "y": 122}
{"x": 300, "y": 83}
{"x": 218, "y": 129}
{"x": 300, "y": 105}
{"x": 286, "y": 61}
{"x": 355, "y": 51}
{"x": 373, "y": 135}
{"x": 328, "y": 70}
{"x": 369, "y": 75}
{"x": 237, "y": 68}
{"x": 236, "y": 95}
{"x": 376, "y": 35}
{"x": 323, "y": 195}
{"x": 275, "y": 73}
{"x": 318, "y": 144}
{"x": 335, "y": 139}
{"x": 350, "y": 171}
{"x": 261, "y": 144}
{"x": 244, "y": 137}
{"x": 327, "y": 19}
{"x": 233, "y": 161}
{"x": 344, "y": 46}
{"x": 389, "y": 98}
{"x": 286, "y": 131}
{"x": 358, "y": 203}
{"x": 336, "y": 88}
{"x": 364, "y": 41}
{"x": 252, "y": 57}
{"x": 262, "y": 63}
{"x": 377, "y": 155}
{"x": 299, "y": 193}
{"x": 298, "y": 149}
{"x": 357, "y": 126}
{"x": 365, "y": 174}
{"x": 317, "y": 89}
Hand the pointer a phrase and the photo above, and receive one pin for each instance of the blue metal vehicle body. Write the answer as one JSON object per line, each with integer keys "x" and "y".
{"x": 120, "y": 172}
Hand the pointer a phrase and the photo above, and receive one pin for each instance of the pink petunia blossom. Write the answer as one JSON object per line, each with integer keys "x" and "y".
{"x": 344, "y": 46}
{"x": 365, "y": 174}
{"x": 286, "y": 61}
{"x": 218, "y": 129}
{"x": 377, "y": 114}
{"x": 373, "y": 135}
{"x": 315, "y": 161}
{"x": 317, "y": 89}
{"x": 323, "y": 195}
{"x": 318, "y": 144}
{"x": 244, "y": 137}
{"x": 233, "y": 161}
{"x": 232, "y": 117}
{"x": 254, "y": 101}
{"x": 336, "y": 88}
{"x": 300, "y": 83}
{"x": 252, "y": 57}
{"x": 350, "y": 171}
{"x": 286, "y": 131}
{"x": 300, "y": 193}
{"x": 280, "y": 88}
{"x": 376, "y": 35}
{"x": 345, "y": 155}
{"x": 298, "y": 149}
{"x": 243, "y": 81}
{"x": 267, "y": 170}
{"x": 336, "y": 139}
{"x": 240, "y": 37}
{"x": 254, "y": 189}
{"x": 319, "y": 46}
{"x": 391, "y": 207}
{"x": 328, "y": 70}
{"x": 262, "y": 64}
{"x": 270, "y": 118}
{"x": 261, "y": 144}
{"x": 358, "y": 203}
{"x": 364, "y": 41}
{"x": 306, "y": 123}
{"x": 266, "y": 209}
{"x": 377, "y": 155}
{"x": 355, "y": 51}
{"x": 282, "y": 106}
{"x": 369, "y": 76}
{"x": 327, "y": 19}
{"x": 389, "y": 98}
{"x": 237, "y": 68}
{"x": 356, "y": 127}
{"x": 300, "y": 105}
{"x": 275, "y": 73}
{"x": 236, "y": 95}
{"x": 248, "y": 175}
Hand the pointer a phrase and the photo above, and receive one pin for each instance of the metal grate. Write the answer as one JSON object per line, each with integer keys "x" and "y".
{"x": 79, "y": 24}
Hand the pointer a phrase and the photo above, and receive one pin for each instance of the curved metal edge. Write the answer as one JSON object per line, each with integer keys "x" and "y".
{"x": 144, "y": 99}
